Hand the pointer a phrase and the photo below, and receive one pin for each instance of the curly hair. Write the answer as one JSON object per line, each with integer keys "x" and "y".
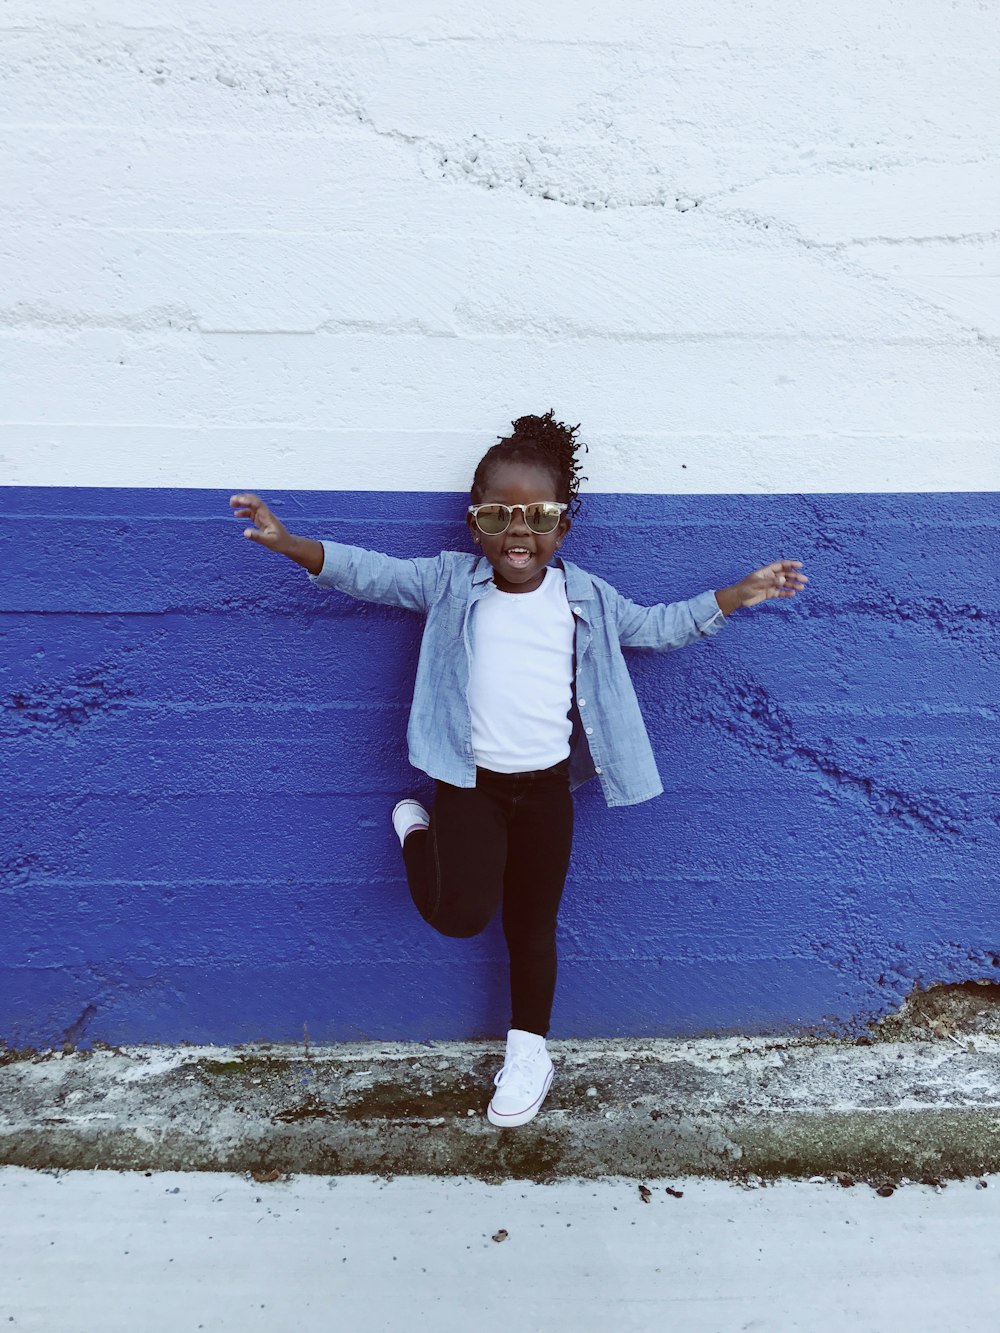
{"x": 544, "y": 442}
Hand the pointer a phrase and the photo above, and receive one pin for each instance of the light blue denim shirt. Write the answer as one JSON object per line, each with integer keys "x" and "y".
{"x": 609, "y": 736}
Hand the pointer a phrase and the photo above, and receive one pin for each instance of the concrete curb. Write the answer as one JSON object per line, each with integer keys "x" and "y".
{"x": 729, "y": 1107}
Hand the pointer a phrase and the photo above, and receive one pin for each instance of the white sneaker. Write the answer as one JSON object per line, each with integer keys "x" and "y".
{"x": 523, "y": 1081}
{"x": 408, "y": 815}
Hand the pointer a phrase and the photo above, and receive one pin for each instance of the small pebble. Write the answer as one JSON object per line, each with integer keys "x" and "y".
{"x": 591, "y": 1092}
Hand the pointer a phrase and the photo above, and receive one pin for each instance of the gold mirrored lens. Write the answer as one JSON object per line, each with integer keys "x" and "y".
{"x": 492, "y": 519}
{"x": 542, "y": 518}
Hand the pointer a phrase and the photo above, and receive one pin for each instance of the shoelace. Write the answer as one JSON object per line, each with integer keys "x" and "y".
{"x": 518, "y": 1067}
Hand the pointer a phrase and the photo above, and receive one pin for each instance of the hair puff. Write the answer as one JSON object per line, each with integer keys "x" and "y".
{"x": 545, "y": 442}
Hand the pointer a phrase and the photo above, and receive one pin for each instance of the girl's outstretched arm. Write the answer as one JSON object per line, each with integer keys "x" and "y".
{"x": 677, "y": 624}
{"x": 781, "y": 578}
{"x": 368, "y": 575}
{"x": 272, "y": 533}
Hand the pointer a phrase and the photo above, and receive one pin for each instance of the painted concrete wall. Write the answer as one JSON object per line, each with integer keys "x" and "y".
{"x": 328, "y": 254}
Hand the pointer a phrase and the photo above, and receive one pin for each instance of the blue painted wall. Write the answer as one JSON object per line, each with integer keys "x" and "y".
{"x": 200, "y": 751}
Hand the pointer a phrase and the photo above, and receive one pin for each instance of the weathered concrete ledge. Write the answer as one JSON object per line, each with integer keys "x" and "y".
{"x": 732, "y": 1107}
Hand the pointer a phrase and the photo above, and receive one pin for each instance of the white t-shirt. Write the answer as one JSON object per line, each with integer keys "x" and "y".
{"x": 521, "y": 680}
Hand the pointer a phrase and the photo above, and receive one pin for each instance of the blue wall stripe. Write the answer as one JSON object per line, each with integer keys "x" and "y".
{"x": 200, "y": 750}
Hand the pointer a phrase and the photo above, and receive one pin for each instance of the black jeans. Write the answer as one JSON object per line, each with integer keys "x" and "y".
{"x": 508, "y": 837}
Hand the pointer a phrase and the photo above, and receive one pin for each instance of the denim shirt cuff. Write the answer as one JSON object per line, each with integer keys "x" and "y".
{"x": 324, "y": 579}
{"x": 707, "y": 613}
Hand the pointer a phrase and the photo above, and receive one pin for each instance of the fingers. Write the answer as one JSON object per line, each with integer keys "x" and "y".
{"x": 785, "y": 573}
{"x": 782, "y": 578}
{"x": 248, "y": 505}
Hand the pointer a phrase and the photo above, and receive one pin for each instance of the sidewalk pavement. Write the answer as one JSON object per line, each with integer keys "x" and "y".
{"x": 737, "y": 1108}
{"x": 166, "y": 1252}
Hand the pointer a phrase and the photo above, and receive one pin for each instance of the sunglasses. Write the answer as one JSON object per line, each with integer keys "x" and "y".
{"x": 540, "y": 516}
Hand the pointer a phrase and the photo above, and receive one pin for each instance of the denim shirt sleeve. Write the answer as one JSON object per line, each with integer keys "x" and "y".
{"x": 374, "y": 577}
{"x": 667, "y": 626}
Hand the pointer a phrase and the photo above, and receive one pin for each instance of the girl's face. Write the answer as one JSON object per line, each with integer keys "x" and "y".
{"x": 519, "y": 556}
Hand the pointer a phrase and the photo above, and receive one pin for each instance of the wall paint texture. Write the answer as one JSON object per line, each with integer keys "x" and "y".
{"x": 328, "y": 255}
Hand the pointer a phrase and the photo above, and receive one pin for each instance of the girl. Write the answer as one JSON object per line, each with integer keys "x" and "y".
{"x": 521, "y": 695}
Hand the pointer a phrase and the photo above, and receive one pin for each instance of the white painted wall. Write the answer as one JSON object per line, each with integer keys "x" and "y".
{"x": 324, "y": 245}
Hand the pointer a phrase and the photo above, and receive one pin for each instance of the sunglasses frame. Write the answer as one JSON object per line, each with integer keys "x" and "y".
{"x": 495, "y": 504}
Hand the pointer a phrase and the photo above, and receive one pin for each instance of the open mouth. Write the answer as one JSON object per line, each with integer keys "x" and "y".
{"x": 518, "y": 556}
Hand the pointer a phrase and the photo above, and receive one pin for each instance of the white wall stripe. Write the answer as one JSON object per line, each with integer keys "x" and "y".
{"x": 285, "y": 458}
{"x": 388, "y": 381}
{"x": 750, "y": 249}
{"x": 465, "y": 285}
{"x": 857, "y": 25}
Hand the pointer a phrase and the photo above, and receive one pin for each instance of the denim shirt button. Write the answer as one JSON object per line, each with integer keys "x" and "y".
{"x": 597, "y": 770}
{"x": 576, "y": 610}
{"x": 590, "y": 731}
{"x": 583, "y": 703}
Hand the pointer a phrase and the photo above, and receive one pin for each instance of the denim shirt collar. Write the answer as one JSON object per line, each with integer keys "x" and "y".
{"x": 579, "y": 587}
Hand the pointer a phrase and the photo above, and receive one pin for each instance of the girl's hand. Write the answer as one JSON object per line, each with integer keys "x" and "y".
{"x": 778, "y": 579}
{"x": 269, "y": 530}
